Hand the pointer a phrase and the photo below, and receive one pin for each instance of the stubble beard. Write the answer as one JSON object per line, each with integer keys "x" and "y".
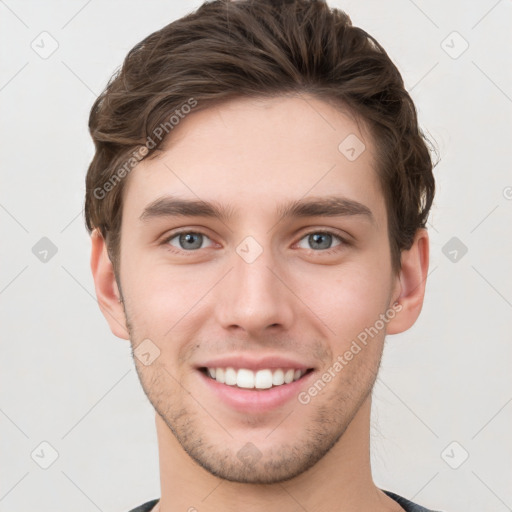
{"x": 220, "y": 456}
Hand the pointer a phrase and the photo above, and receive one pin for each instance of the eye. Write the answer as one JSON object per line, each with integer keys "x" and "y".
{"x": 188, "y": 240}
{"x": 320, "y": 240}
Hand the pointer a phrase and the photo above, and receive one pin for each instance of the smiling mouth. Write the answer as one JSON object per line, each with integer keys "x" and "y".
{"x": 261, "y": 379}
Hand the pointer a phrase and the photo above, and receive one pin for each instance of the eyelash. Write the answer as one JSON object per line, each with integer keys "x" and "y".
{"x": 332, "y": 250}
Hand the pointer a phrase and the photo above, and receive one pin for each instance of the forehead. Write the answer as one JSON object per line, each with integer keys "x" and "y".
{"x": 255, "y": 153}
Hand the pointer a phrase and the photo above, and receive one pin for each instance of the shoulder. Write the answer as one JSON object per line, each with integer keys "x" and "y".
{"x": 146, "y": 507}
{"x": 406, "y": 504}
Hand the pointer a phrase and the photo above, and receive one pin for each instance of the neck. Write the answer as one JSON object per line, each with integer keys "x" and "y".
{"x": 340, "y": 481}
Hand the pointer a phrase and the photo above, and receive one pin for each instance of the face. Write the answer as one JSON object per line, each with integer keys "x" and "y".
{"x": 271, "y": 278}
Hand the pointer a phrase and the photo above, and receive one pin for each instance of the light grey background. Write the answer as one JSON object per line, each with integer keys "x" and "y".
{"x": 66, "y": 380}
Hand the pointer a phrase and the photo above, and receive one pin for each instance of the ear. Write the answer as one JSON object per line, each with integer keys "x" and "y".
{"x": 411, "y": 282}
{"x": 105, "y": 284}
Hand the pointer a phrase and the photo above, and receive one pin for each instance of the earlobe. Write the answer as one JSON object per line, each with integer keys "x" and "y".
{"x": 412, "y": 275}
{"x": 107, "y": 292}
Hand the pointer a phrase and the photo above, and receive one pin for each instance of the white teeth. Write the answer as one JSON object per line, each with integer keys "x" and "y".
{"x": 248, "y": 379}
{"x": 278, "y": 377}
{"x": 245, "y": 379}
{"x": 230, "y": 376}
{"x": 288, "y": 376}
{"x": 263, "y": 379}
{"x": 220, "y": 375}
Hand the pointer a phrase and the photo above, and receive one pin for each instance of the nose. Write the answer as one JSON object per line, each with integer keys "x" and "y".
{"x": 255, "y": 297}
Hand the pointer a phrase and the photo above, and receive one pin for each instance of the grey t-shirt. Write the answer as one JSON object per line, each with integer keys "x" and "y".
{"x": 407, "y": 505}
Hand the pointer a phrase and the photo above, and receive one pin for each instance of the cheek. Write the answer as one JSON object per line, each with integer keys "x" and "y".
{"x": 348, "y": 299}
{"x": 159, "y": 296}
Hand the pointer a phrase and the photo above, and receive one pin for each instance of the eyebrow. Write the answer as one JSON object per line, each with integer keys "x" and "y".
{"x": 330, "y": 206}
{"x": 169, "y": 206}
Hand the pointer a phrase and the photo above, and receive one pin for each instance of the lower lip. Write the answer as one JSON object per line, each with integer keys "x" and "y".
{"x": 256, "y": 400}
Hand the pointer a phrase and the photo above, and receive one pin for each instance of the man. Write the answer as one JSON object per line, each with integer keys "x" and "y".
{"x": 257, "y": 203}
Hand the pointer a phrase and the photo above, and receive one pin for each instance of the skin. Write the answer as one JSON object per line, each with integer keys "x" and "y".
{"x": 295, "y": 300}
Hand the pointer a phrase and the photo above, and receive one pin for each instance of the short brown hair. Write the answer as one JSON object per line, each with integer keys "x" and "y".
{"x": 256, "y": 48}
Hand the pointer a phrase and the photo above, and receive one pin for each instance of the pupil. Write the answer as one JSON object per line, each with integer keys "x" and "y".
{"x": 191, "y": 240}
{"x": 321, "y": 240}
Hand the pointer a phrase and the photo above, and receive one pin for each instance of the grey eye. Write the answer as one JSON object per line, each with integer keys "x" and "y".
{"x": 188, "y": 241}
{"x": 319, "y": 241}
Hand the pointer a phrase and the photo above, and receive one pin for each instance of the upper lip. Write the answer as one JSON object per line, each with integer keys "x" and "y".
{"x": 253, "y": 363}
